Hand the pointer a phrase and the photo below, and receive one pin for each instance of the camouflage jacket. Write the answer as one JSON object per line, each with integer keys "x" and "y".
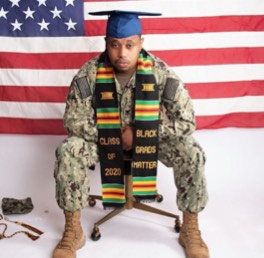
{"x": 176, "y": 109}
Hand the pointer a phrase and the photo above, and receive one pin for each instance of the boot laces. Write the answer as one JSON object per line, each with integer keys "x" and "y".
{"x": 192, "y": 233}
{"x": 69, "y": 235}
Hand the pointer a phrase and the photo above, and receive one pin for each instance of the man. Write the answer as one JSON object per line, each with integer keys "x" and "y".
{"x": 149, "y": 113}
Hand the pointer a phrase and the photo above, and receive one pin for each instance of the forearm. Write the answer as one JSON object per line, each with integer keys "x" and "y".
{"x": 175, "y": 129}
{"x": 177, "y": 115}
{"x": 79, "y": 117}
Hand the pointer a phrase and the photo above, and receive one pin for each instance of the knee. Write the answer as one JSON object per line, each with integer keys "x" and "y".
{"x": 195, "y": 158}
{"x": 76, "y": 150}
{"x": 190, "y": 155}
{"x": 71, "y": 159}
{"x": 71, "y": 147}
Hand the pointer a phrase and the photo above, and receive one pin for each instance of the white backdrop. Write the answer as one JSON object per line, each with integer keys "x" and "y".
{"x": 232, "y": 224}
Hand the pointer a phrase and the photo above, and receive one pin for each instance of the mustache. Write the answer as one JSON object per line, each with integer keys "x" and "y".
{"x": 122, "y": 59}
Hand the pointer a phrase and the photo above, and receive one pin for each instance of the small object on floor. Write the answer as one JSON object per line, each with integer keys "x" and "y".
{"x": 16, "y": 206}
{"x": 31, "y": 236}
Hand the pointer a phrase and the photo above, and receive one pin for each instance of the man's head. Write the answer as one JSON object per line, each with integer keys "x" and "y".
{"x": 123, "y": 38}
{"x": 123, "y": 53}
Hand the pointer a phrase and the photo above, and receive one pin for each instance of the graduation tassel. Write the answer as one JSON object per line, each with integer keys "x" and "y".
{"x": 35, "y": 230}
{"x": 31, "y": 236}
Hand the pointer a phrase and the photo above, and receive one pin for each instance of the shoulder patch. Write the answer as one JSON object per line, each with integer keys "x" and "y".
{"x": 170, "y": 89}
{"x": 84, "y": 87}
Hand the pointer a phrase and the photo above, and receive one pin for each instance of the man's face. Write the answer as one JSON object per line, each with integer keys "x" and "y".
{"x": 123, "y": 53}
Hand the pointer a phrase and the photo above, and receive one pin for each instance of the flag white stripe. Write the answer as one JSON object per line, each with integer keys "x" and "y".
{"x": 26, "y": 77}
{"x": 221, "y": 106}
{"x": 180, "y": 8}
{"x": 203, "y": 107}
{"x": 152, "y": 42}
{"x": 220, "y": 73}
{"x": 189, "y": 74}
{"x": 204, "y": 40}
{"x": 52, "y": 44}
{"x": 32, "y": 110}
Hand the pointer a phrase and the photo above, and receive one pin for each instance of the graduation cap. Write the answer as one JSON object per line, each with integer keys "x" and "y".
{"x": 122, "y": 24}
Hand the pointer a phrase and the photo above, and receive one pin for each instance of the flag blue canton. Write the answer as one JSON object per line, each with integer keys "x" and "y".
{"x": 41, "y": 18}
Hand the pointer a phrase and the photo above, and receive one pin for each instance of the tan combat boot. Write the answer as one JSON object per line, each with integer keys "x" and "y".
{"x": 73, "y": 237}
{"x": 190, "y": 237}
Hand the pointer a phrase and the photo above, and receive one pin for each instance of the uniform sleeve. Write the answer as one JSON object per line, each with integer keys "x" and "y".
{"x": 79, "y": 116}
{"x": 177, "y": 113}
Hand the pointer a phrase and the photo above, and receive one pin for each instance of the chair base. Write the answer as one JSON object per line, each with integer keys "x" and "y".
{"x": 130, "y": 204}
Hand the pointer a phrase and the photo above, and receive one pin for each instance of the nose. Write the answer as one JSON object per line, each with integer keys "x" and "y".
{"x": 122, "y": 52}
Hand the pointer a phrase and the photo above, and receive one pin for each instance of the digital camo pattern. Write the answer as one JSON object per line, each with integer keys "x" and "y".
{"x": 73, "y": 156}
{"x": 188, "y": 160}
{"x": 16, "y": 206}
{"x": 177, "y": 123}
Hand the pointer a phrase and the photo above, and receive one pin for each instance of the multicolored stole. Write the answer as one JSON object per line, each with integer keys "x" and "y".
{"x": 145, "y": 145}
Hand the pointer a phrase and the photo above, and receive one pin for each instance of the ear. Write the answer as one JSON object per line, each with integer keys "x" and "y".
{"x": 141, "y": 42}
{"x": 105, "y": 41}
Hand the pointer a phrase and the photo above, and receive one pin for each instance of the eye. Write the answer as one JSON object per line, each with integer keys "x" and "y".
{"x": 114, "y": 45}
{"x": 129, "y": 46}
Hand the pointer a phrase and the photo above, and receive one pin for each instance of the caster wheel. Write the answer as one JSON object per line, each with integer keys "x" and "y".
{"x": 96, "y": 235}
{"x": 92, "y": 202}
{"x": 159, "y": 198}
{"x": 177, "y": 229}
{"x": 177, "y": 226}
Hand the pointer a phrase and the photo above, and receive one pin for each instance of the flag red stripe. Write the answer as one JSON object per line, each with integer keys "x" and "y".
{"x": 44, "y": 60}
{"x": 225, "y": 89}
{"x": 55, "y": 126}
{"x": 187, "y": 25}
{"x": 240, "y": 120}
{"x": 33, "y": 94}
{"x": 196, "y": 90}
{"x": 31, "y": 126}
{"x": 252, "y": 55}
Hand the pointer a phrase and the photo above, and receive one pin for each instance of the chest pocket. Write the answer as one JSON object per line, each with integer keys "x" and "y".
{"x": 127, "y": 105}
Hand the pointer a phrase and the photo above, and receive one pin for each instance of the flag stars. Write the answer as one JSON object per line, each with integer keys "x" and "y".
{"x": 16, "y": 25}
{"x": 69, "y": 2}
{"x": 43, "y": 25}
{"x": 3, "y": 13}
{"x": 42, "y": 2}
{"x": 71, "y": 24}
{"x": 56, "y": 13}
{"x": 15, "y": 2}
{"x": 29, "y": 13}
{"x": 41, "y": 17}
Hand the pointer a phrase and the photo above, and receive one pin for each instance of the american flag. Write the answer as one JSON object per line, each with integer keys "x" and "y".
{"x": 216, "y": 47}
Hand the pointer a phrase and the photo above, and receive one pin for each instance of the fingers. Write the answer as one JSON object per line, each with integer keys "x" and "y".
{"x": 127, "y": 137}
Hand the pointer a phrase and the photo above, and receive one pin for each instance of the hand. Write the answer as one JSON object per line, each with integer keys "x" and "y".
{"x": 127, "y": 137}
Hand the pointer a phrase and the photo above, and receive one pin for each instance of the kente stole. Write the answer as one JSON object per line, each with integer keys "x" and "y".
{"x": 145, "y": 143}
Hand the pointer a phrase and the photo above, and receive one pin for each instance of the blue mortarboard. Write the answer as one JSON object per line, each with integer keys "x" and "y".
{"x": 122, "y": 24}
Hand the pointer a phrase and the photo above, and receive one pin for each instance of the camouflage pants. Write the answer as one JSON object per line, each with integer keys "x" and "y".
{"x": 74, "y": 155}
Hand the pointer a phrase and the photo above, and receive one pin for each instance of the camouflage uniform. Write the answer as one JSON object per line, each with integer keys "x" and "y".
{"x": 178, "y": 149}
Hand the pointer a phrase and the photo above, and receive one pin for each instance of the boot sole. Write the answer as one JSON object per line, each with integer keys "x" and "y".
{"x": 181, "y": 243}
{"x": 83, "y": 241}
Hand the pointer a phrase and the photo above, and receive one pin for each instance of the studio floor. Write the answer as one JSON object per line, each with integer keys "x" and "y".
{"x": 232, "y": 224}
